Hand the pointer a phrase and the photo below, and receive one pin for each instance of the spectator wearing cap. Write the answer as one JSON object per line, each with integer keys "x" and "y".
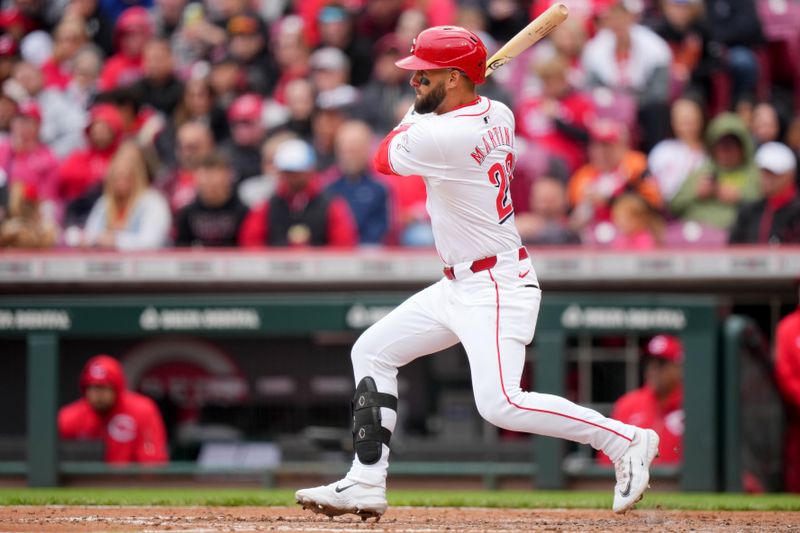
{"x": 336, "y": 29}
{"x": 68, "y": 37}
{"x": 658, "y": 404}
{"x": 132, "y": 31}
{"x": 557, "y": 120}
{"x": 81, "y": 173}
{"x": 25, "y": 159}
{"x": 130, "y": 215}
{"x": 256, "y": 190}
{"x": 629, "y": 58}
{"x": 711, "y": 195}
{"x": 216, "y": 215}
{"x": 787, "y": 375}
{"x": 159, "y": 88}
{"x": 353, "y": 181}
{"x": 247, "y": 45}
{"x": 774, "y": 219}
{"x": 387, "y": 88}
{"x": 613, "y": 169}
{"x": 300, "y": 213}
{"x": 247, "y": 134}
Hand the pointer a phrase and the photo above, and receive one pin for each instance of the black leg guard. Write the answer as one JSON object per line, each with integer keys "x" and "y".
{"x": 368, "y": 434}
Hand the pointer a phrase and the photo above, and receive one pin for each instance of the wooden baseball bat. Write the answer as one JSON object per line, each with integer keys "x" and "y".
{"x": 530, "y": 34}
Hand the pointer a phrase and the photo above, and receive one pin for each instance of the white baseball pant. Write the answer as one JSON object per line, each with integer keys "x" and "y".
{"x": 493, "y": 314}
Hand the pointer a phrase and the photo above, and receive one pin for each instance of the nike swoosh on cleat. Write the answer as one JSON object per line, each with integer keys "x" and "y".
{"x": 625, "y": 493}
{"x": 525, "y": 274}
{"x": 342, "y": 489}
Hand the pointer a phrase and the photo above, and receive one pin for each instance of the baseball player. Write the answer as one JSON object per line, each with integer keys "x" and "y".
{"x": 463, "y": 146}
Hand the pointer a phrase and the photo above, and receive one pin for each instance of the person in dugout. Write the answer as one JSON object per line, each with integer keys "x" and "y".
{"x": 129, "y": 423}
{"x": 657, "y": 404}
{"x": 787, "y": 373}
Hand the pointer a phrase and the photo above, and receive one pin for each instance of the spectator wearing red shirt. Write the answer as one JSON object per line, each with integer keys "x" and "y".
{"x": 658, "y": 404}
{"x": 87, "y": 167}
{"x": 557, "y": 120}
{"x": 787, "y": 369}
{"x": 129, "y": 423}
{"x": 131, "y": 33}
{"x": 25, "y": 159}
{"x": 300, "y": 213}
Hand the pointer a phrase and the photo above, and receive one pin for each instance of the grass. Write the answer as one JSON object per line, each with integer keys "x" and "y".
{"x": 447, "y": 498}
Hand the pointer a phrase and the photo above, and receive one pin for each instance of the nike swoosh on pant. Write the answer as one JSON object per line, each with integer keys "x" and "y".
{"x": 342, "y": 489}
{"x": 525, "y": 274}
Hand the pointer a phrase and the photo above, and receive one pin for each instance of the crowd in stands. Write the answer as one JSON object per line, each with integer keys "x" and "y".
{"x": 143, "y": 124}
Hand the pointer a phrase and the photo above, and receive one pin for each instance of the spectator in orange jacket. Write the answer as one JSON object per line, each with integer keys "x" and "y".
{"x": 129, "y": 423}
{"x": 613, "y": 169}
{"x": 658, "y": 404}
{"x": 787, "y": 368}
{"x": 300, "y": 213}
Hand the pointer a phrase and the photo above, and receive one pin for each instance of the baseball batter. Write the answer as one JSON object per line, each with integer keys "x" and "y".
{"x": 463, "y": 146}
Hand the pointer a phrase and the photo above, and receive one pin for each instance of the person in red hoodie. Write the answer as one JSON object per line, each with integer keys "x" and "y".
{"x": 658, "y": 404}
{"x": 301, "y": 212}
{"x": 787, "y": 370}
{"x": 129, "y": 423}
{"x": 81, "y": 173}
{"x": 131, "y": 32}
{"x": 87, "y": 167}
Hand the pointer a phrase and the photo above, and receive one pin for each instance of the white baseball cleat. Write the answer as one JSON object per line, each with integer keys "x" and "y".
{"x": 345, "y": 496}
{"x": 633, "y": 470}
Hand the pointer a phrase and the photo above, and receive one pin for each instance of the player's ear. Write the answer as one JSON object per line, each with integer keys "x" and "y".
{"x": 453, "y": 78}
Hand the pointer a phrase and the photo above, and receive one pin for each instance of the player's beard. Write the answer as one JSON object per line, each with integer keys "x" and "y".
{"x": 430, "y": 102}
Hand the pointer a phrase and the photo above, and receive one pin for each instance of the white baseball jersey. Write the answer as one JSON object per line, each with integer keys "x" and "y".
{"x": 466, "y": 158}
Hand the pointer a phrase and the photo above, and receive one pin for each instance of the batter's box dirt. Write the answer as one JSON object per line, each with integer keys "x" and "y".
{"x": 397, "y": 519}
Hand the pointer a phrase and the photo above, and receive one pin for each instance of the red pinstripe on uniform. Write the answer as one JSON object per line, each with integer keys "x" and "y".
{"x": 502, "y": 382}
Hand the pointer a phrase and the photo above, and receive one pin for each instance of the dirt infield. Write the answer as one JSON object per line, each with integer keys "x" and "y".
{"x": 401, "y": 519}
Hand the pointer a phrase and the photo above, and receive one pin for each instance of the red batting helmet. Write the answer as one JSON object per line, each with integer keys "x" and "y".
{"x": 447, "y": 47}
